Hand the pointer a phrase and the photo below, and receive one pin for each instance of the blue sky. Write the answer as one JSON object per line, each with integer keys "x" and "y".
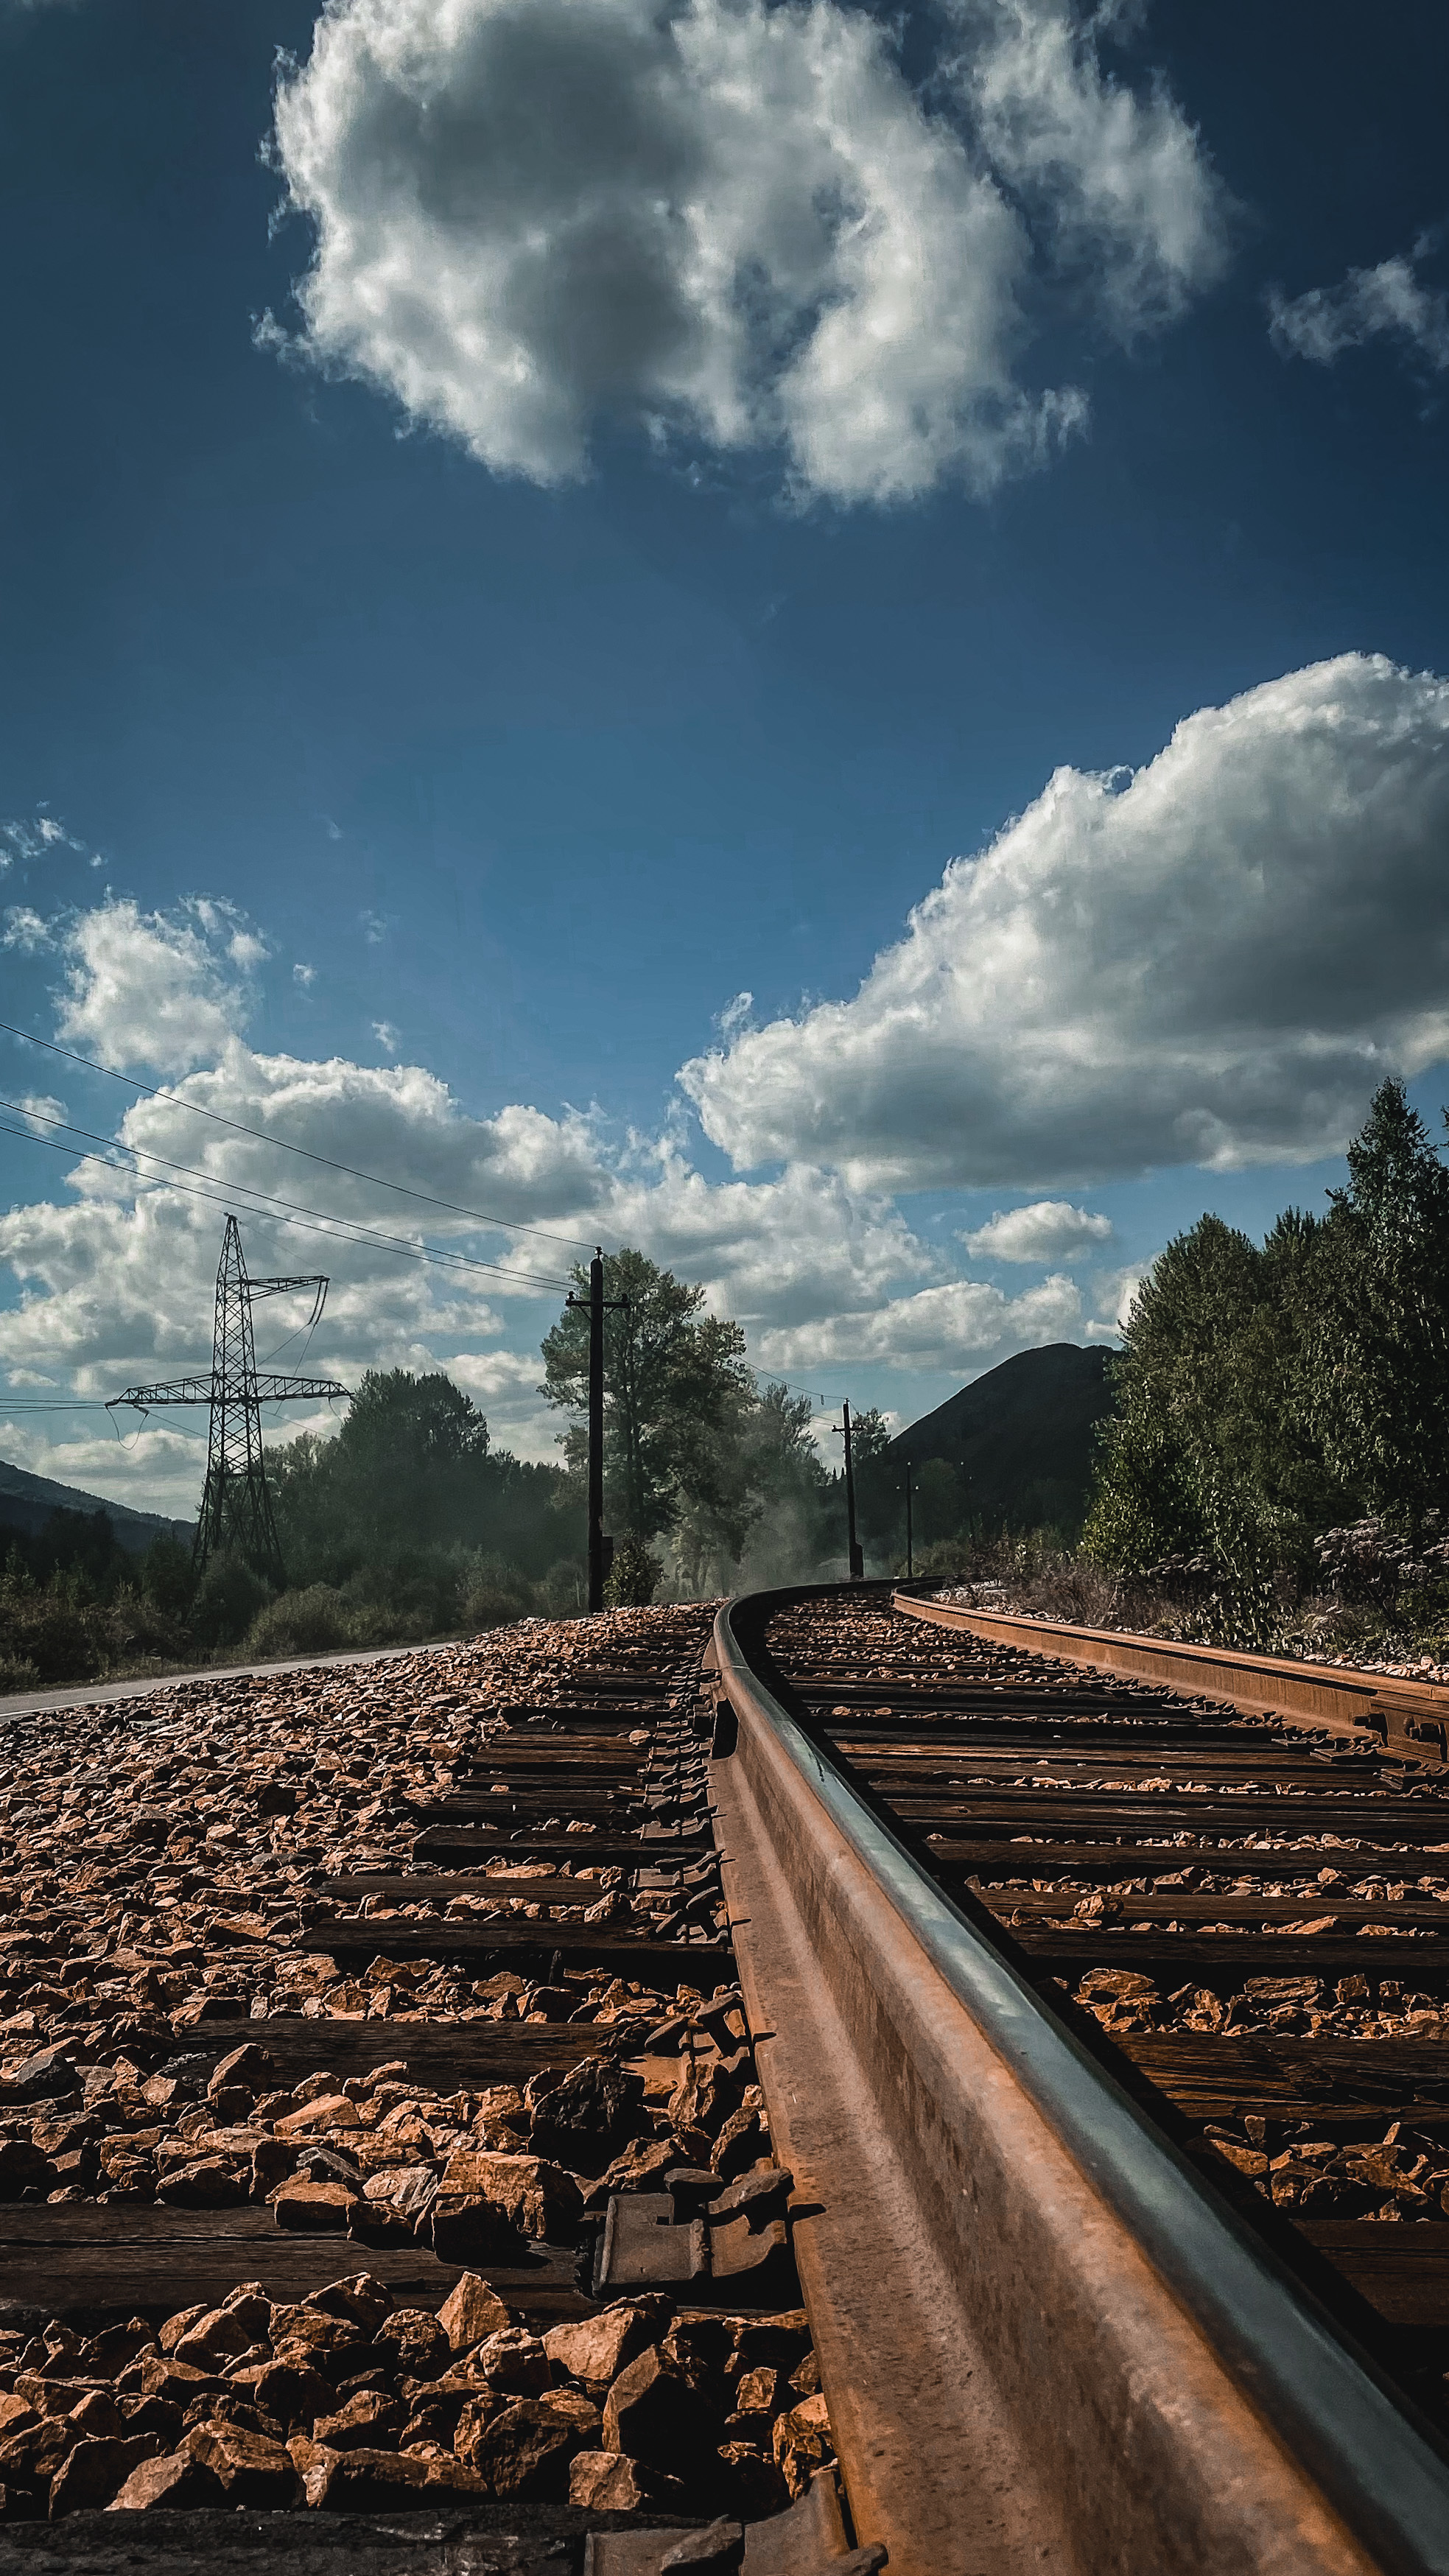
{"x": 568, "y": 618}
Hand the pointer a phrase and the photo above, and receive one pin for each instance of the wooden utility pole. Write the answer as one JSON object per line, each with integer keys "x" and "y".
{"x": 600, "y": 1548}
{"x": 857, "y": 1554}
{"x": 910, "y": 1553}
{"x": 596, "y": 1431}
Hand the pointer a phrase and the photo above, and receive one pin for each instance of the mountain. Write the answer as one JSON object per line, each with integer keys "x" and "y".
{"x": 1023, "y": 1434}
{"x": 26, "y": 1503}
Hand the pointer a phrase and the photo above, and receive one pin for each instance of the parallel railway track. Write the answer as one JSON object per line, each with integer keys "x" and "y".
{"x": 1075, "y": 2047}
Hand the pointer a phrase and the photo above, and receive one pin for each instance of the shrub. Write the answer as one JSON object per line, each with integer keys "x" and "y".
{"x": 228, "y": 1598}
{"x": 17, "y": 1675}
{"x": 166, "y": 1579}
{"x": 134, "y": 1628}
{"x": 406, "y": 1600}
{"x": 55, "y": 1638}
{"x": 634, "y": 1576}
{"x": 492, "y": 1593}
{"x": 310, "y": 1622}
{"x": 1368, "y": 1561}
{"x": 565, "y": 1587}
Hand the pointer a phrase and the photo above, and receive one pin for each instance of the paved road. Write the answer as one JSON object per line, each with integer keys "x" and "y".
{"x": 89, "y": 1694}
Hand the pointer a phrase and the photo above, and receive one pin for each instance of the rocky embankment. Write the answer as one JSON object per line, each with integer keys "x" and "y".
{"x": 403, "y": 2156}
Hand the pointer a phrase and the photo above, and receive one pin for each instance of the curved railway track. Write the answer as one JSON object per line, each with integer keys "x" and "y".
{"x": 1070, "y": 2037}
{"x": 1106, "y": 2032}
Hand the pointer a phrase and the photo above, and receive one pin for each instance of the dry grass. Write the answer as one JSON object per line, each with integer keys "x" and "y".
{"x": 1033, "y": 1576}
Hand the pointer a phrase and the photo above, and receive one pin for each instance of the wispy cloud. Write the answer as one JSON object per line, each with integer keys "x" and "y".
{"x": 25, "y": 930}
{"x": 1389, "y": 302}
{"x": 33, "y": 837}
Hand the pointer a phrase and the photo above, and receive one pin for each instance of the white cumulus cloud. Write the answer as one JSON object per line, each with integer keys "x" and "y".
{"x": 1048, "y": 1230}
{"x": 1213, "y": 963}
{"x": 115, "y": 1273}
{"x": 733, "y": 222}
{"x": 40, "y": 1110}
{"x": 1389, "y": 302}
{"x": 163, "y": 989}
{"x": 955, "y": 1325}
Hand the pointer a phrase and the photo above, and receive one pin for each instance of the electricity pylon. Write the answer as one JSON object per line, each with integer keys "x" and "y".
{"x": 236, "y": 1507}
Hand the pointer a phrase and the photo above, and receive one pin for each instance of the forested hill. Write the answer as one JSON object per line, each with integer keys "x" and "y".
{"x": 26, "y": 1503}
{"x": 1023, "y": 1434}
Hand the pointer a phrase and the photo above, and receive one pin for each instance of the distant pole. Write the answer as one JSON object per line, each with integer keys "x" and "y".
{"x": 857, "y": 1558}
{"x": 596, "y": 1430}
{"x": 910, "y": 1556}
{"x": 599, "y": 1548}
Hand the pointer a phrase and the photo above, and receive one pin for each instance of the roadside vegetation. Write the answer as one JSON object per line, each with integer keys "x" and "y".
{"x": 410, "y": 1525}
{"x": 407, "y": 1525}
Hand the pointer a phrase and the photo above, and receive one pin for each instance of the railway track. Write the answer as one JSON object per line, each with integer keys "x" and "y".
{"x": 459, "y": 2099}
{"x": 1105, "y": 2029}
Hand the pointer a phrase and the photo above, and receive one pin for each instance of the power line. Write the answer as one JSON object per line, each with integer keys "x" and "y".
{"x": 87, "y": 1403}
{"x": 506, "y": 1224}
{"x": 312, "y": 1220}
{"x": 344, "y": 1229}
{"x": 50, "y": 1404}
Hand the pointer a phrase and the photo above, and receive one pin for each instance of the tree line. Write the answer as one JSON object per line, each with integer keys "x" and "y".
{"x": 409, "y": 1523}
{"x": 1281, "y": 1410}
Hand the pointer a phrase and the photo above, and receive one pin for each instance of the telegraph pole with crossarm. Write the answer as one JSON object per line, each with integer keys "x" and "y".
{"x": 236, "y": 1506}
{"x": 600, "y": 1548}
{"x": 857, "y": 1554}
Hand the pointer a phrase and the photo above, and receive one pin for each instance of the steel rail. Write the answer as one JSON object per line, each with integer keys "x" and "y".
{"x": 1407, "y": 1716}
{"x": 1040, "y": 2332}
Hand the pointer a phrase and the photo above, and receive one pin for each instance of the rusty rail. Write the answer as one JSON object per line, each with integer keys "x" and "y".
{"x": 1044, "y": 2338}
{"x": 1406, "y": 1716}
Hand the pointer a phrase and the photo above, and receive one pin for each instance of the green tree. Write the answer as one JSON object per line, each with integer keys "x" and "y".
{"x": 166, "y": 1579}
{"x": 789, "y": 1488}
{"x": 878, "y": 1507}
{"x": 678, "y": 1396}
{"x": 1380, "y": 1395}
{"x": 634, "y": 1577}
{"x": 784, "y": 1463}
{"x": 1266, "y": 1392}
{"x": 1193, "y": 1454}
{"x": 411, "y": 1474}
{"x": 226, "y": 1601}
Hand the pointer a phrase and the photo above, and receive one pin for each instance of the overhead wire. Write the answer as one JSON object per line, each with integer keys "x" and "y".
{"x": 223, "y": 1194}
{"x": 51, "y": 1404}
{"x": 375, "y": 1180}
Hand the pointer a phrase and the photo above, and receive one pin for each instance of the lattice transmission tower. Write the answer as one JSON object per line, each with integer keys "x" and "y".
{"x": 236, "y": 1507}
